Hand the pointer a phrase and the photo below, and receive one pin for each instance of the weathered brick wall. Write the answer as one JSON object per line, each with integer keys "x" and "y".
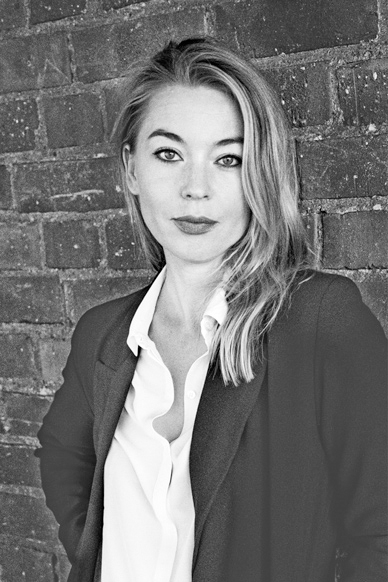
{"x": 66, "y": 243}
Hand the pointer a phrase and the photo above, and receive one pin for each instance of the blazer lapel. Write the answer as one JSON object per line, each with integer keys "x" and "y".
{"x": 113, "y": 375}
{"x": 222, "y": 414}
{"x": 111, "y": 389}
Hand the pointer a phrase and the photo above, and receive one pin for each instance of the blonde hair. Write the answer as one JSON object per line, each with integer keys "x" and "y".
{"x": 260, "y": 269}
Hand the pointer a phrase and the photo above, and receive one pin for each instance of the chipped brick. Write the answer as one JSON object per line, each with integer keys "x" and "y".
{"x": 16, "y": 356}
{"x": 267, "y": 28}
{"x": 71, "y": 244}
{"x": 106, "y": 52}
{"x": 363, "y": 91}
{"x": 47, "y": 10}
{"x": 18, "y": 466}
{"x": 12, "y": 14}
{"x": 123, "y": 252}
{"x": 5, "y": 188}
{"x": 343, "y": 168}
{"x": 53, "y": 356}
{"x": 19, "y": 246}
{"x": 26, "y": 517}
{"x": 79, "y": 186}
{"x": 355, "y": 240}
{"x": 90, "y": 292}
{"x": 31, "y": 299}
{"x": 73, "y": 120}
{"x": 18, "y": 120}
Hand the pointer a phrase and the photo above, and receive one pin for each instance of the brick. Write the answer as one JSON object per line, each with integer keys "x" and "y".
{"x": 16, "y": 356}
{"x": 26, "y": 517}
{"x": 53, "y": 356}
{"x": 22, "y": 414}
{"x": 52, "y": 60}
{"x": 18, "y": 121}
{"x": 311, "y": 223}
{"x": 355, "y": 240}
{"x": 90, "y": 292}
{"x": 115, "y": 98}
{"x": 383, "y": 32}
{"x": 18, "y": 466}
{"x": 343, "y": 168}
{"x": 31, "y": 299}
{"x": 73, "y": 120}
{"x": 79, "y": 186}
{"x": 34, "y": 62}
{"x": 71, "y": 244}
{"x": 271, "y": 27}
{"x": 25, "y": 407}
{"x": 19, "y": 246}
{"x": 46, "y": 10}
{"x": 106, "y": 52}
{"x": 114, "y": 4}
{"x": 303, "y": 91}
{"x": 318, "y": 94}
{"x": 123, "y": 251}
{"x": 12, "y": 14}
{"x": 64, "y": 568}
{"x": 373, "y": 287}
{"x": 5, "y": 188}
{"x": 17, "y": 70}
{"x": 18, "y": 563}
{"x": 363, "y": 91}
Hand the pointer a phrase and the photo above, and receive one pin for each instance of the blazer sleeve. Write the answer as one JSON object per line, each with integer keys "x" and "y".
{"x": 351, "y": 356}
{"x": 67, "y": 456}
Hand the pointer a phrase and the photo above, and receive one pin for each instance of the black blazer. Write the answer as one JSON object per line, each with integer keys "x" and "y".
{"x": 285, "y": 469}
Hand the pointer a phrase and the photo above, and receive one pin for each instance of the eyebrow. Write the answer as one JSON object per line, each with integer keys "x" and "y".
{"x": 178, "y": 139}
{"x": 168, "y": 134}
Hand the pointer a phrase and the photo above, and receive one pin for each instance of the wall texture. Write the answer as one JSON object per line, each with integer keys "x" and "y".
{"x": 65, "y": 240}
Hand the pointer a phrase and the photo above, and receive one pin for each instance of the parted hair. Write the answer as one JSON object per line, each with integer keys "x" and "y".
{"x": 258, "y": 272}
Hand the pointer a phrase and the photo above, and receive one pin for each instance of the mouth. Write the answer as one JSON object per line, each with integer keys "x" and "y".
{"x": 194, "y": 224}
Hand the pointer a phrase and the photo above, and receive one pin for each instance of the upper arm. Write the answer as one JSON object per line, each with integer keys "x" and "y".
{"x": 351, "y": 377}
{"x": 69, "y": 420}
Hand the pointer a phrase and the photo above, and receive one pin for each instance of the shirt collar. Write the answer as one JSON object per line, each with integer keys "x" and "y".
{"x": 215, "y": 313}
{"x": 141, "y": 321}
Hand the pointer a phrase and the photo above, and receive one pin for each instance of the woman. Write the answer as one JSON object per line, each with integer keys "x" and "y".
{"x": 227, "y": 423}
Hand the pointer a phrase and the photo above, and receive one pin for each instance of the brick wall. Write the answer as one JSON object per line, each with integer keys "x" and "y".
{"x": 65, "y": 241}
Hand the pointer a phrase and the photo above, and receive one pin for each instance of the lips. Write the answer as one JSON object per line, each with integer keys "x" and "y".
{"x": 194, "y": 224}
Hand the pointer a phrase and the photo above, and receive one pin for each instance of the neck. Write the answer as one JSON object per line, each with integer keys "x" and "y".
{"x": 186, "y": 292}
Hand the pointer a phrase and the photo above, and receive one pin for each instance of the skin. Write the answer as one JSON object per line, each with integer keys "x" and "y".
{"x": 187, "y": 161}
{"x": 179, "y": 168}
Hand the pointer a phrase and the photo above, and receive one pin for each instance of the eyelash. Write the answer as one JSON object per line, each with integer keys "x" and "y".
{"x": 164, "y": 150}
{"x": 237, "y": 159}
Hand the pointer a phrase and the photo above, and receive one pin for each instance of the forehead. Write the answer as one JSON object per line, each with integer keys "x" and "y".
{"x": 184, "y": 109}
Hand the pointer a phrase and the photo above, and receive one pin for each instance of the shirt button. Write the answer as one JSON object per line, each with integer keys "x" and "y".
{"x": 191, "y": 394}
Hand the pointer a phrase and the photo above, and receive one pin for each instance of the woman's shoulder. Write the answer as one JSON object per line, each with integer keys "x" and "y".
{"x": 334, "y": 303}
{"x": 112, "y": 315}
{"x": 316, "y": 282}
{"x": 319, "y": 289}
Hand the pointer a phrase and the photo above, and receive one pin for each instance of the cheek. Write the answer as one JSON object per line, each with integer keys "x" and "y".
{"x": 153, "y": 210}
{"x": 240, "y": 211}
{"x": 149, "y": 195}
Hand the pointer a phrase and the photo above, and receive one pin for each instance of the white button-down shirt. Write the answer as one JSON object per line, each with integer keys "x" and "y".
{"x": 148, "y": 532}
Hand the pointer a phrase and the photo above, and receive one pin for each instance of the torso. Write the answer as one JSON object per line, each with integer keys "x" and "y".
{"x": 178, "y": 351}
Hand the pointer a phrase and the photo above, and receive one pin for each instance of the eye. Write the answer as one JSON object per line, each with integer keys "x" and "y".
{"x": 229, "y": 161}
{"x": 167, "y": 155}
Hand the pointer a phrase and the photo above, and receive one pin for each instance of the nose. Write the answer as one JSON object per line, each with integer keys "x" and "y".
{"x": 195, "y": 183}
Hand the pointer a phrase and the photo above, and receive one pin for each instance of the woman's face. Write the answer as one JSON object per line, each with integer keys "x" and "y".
{"x": 186, "y": 170}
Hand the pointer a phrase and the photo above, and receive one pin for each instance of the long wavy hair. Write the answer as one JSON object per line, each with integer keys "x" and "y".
{"x": 260, "y": 270}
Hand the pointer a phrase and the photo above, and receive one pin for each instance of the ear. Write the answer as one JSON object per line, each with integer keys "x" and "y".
{"x": 130, "y": 173}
